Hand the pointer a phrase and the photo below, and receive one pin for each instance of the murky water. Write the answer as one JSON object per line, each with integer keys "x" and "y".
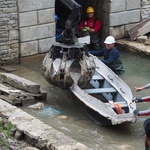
{"x": 78, "y": 125}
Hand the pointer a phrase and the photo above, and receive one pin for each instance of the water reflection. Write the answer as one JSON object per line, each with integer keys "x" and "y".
{"x": 78, "y": 125}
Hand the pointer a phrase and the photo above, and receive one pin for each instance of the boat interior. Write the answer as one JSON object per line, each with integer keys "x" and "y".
{"x": 101, "y": 89}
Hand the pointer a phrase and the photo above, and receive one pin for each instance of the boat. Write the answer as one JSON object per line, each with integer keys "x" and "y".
{"x": 106, "y": 98}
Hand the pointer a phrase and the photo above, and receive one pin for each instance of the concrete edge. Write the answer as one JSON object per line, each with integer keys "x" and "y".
{"x": 133, "y": 46}
{"x": 35, "y": 132}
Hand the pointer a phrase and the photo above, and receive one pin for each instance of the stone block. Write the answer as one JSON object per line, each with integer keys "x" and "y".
{"x": 10, "y": 10}
{"x": 144, "y": 2}
{"x": 13, "y": 35}
{"x": 4, "y": 47}
{"x": 45, "y": 44}
{"x": 147, "y": 42}
{"x": 12, "y": 42}
{"x": 122, "y": 18}
{"x": 46, "y": 16}
{"x": 133, "y": 4}
{"x": 15, "y": 45}
{"x": 28, "y": 19}
{"x": 29, "y": 5}
{"x": 117, "y": 19}
{"x": 141, "y": 39}
{"x": 117, "y": 5}
{"x": 37, "y": 32}
{"x": 29, "y": 48}
{"x": 133, "y": 16}
{"x": 118, "y": 32}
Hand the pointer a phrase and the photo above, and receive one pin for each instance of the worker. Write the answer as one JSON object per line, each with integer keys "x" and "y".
{"x": 59, "y": 31}
{"x": 147, "y": 86}
{"x": 142, "y": 99}
{"x": 147, "y": 133}
{"x": 91, "y": 25}
{"x": 111, "y": 55}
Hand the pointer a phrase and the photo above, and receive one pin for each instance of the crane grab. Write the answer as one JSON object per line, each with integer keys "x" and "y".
{"x": 68, "y": 61}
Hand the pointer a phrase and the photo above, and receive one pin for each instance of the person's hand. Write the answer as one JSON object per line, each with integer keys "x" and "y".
{"x": 138, "y": 89}
{"x": 137, "y": 99}
{"x": 92, "y": 30}
{"x": 87, "y": 28}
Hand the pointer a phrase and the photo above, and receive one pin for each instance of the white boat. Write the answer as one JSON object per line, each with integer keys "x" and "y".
{"x": 107, "y": 98}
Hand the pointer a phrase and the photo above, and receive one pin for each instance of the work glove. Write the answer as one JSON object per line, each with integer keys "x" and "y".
{"x": 137, "y": 99}
{"x": 136, "y": 112}
{"x": 84, "y": 29}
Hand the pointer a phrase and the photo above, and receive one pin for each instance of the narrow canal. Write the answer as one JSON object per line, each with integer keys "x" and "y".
{"x": 78, "y": 125}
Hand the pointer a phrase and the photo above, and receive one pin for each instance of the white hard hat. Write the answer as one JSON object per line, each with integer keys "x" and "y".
{"x": 109, "y": 40}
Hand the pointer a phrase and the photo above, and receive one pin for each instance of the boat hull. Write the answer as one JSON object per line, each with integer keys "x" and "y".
{"x": 92, "y": 113}
{"x": 104, "y": 96}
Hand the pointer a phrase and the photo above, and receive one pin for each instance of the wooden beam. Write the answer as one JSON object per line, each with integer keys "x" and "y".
{"x": 139, "y": 29}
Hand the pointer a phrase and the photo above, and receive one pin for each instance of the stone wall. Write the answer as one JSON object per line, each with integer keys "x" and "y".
{"x": 36, "y": 25}
{"x": 9, "y": 39}
{"x": 27, "y": 27}
{"x": 123, "y": 15}
{"x": 145, "y": 9}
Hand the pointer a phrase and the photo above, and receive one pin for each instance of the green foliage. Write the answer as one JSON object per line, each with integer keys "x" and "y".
{"x": 6, "y": 130}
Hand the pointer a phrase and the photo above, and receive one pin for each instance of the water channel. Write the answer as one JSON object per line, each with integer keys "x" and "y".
{"x": 78, "y": 125}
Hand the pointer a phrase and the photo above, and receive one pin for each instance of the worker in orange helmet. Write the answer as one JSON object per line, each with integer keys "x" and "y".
{"x": 93, "y": 26}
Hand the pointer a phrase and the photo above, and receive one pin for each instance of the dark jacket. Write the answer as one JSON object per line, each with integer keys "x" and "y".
{"x": 111, "y": 58}
{"x": 147, "y": 148}
{"x": 58, "y": 33}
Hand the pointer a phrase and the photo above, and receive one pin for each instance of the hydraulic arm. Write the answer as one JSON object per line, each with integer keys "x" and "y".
{"x": 72, "y": 21}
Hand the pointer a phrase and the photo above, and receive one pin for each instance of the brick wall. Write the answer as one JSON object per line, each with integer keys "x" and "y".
{"x": 9, "y": 39}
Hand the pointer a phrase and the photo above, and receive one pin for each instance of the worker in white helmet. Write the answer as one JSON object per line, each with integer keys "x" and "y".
{"x": 111, "y": 55}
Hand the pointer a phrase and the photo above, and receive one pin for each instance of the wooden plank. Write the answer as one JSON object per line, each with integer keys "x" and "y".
{"x": 15, "y": 96}
{"x": 19, "y": 83}
{"x": 13, "y": 102}
{"x": 100, "y": 90}
{"x": 139, "y": 29}
{"x": 7, "y": 68}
